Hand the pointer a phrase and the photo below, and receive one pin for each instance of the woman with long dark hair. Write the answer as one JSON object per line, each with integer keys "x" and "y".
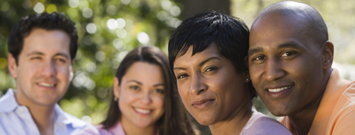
{"x": 145, "y": 99}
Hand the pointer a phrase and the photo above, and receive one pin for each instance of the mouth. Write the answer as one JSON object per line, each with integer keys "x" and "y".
{"x": 142, "y": 111}
{"x": 277, "y": 92}
{"x": 279, "y": 89}
{"x": 201, "y": 104}
{"x": 48, "y": 85}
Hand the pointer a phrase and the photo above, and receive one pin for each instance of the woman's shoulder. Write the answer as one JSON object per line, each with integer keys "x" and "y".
{"x": 260, "y": 124}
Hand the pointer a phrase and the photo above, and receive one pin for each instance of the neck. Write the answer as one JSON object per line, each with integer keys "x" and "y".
{"x": 43, "y": 116}
{"x": 302, "y": 121}
{"x": 236, "y": 122}
{"x": 131, "y": 129}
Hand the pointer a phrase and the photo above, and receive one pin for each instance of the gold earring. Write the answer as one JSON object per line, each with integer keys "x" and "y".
{"x": 115, "y": 98}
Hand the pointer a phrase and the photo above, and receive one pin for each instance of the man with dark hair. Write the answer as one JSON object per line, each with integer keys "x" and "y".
{"x": 290, "y": 63}
{"x": 42, "y": 50}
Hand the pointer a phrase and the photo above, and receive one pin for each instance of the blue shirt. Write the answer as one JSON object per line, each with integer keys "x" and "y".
{"x": 17, "y": 120}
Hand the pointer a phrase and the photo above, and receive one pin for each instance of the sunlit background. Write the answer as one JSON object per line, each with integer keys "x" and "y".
{"x": 109, "y": 29}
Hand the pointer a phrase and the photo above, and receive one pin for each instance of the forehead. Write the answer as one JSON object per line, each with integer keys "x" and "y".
{"x": 278, "y": 29}
{"x": 144, "y": 72}
{"x": 46, "y": 41}
{"x": 188, "y": 58}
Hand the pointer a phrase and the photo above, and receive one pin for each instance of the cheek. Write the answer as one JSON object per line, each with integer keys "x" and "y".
{"x": 255, "y": 72}
{"x": 126, "y": 98}
{"x": 64, "y": 72}
{"x": 159, "y": 101}
{"x": 183, "y": 89}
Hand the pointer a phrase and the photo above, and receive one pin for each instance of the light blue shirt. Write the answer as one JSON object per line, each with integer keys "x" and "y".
{"x": 17, "y": 120}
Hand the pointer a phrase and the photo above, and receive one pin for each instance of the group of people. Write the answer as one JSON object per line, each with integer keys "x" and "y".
{"x": 214, "y": 68}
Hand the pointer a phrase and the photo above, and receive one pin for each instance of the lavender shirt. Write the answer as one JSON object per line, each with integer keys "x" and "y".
{"x": 260, "y": 124}
{"x": 98, "y": 130}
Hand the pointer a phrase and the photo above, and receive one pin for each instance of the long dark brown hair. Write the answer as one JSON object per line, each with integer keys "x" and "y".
{"x": 175, "y": 120}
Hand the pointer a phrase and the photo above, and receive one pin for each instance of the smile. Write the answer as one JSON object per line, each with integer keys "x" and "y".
{"x": 142, "y": 111}
{"x": 279, "y": 89}
{"x": 46, "y": 84}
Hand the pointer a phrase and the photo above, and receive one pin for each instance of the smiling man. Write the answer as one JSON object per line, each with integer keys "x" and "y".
{"x": 290, "y": 61}
{"x": 42, "y": 49}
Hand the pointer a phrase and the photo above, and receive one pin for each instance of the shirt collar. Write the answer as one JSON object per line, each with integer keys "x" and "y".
{"x": 8, "y": 101}
{"x": 9, "y": 104}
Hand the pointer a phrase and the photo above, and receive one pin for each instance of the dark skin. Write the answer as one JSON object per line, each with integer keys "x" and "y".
{"x": 290, "y": 61}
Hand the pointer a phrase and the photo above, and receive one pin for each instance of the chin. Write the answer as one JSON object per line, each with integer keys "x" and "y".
{"x": 205, "y": 122}
{"x": 279, "y": 113}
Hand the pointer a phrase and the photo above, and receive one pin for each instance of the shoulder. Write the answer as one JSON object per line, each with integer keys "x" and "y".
{"x": 344, "y": 125}
{"x": 260, "y": 124}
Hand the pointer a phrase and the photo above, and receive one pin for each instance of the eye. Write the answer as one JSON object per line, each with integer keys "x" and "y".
{"x": 61, "y": 60}
{"x": 288, "y": 53}
{"x": 35, "y": 58}
{"x": 161, "y": 91}
{"x": 134, "y": 87}
{"x": 182, "y": 76}
{"x": 258, "y": 58}
{"x": 209, "y": 69}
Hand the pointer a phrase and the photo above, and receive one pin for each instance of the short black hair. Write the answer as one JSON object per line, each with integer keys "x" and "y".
{"x": 230, "y": 34}
{"x": 53, "y": 21}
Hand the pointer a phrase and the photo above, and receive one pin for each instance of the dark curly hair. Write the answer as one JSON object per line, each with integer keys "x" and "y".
{"x": 230, "y": 34}
{"x": 53, "y": 21}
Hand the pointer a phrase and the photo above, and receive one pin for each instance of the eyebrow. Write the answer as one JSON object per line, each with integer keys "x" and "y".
{"x": 135, "y": 81}
{"x": 160, "y": 84}
{"x": 289, "y": 45}
{"x": 202, "y": 63}
{"x": 156, "y": 85}
{"x": 40, "y": 53}
{"x": 255, "y": 50}
{"x": 284, "y": 45}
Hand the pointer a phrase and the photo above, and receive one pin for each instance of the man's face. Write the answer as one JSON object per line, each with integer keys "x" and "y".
{"x": 44, "y": 68}
{"x": 285, "y": 64}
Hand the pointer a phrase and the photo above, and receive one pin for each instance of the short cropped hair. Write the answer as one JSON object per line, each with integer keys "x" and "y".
{"x": 230, "y": 34}
{"x": 53, "y": 21}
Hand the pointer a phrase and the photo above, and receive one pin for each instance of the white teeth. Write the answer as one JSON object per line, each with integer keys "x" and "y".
{"x": 142, "y": 111}
{"x": 279, "y": 89}
{"x": 46, "y": 84}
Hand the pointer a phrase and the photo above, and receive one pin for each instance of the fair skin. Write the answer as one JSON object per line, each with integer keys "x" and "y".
{"x": 289, "y": 68}
{"x": 141, "y": 98}
{"x": 43, "y": 74}
{"x": 213, "y": 92}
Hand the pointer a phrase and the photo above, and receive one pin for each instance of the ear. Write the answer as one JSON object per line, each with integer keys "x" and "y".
{"x": 116, "y": 87}
{"x": 246, "y": 74}
{"x": 12, "y": 66}
{"x": 328, "y": 53}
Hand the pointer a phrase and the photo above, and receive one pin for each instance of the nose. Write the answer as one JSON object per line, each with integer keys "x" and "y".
{"x": 273, "y": 70}
{"x": 49, "y": 68}
{"x": 197, "y": 85}
{"x": 146, "y": 98}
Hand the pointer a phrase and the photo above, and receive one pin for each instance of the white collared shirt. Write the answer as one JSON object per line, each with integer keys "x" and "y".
{"x": 17, "y": 120}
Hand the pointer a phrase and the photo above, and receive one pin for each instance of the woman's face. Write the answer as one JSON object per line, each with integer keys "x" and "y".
{"x": 141, "y": 95}
{"x": 210, "y": 88}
